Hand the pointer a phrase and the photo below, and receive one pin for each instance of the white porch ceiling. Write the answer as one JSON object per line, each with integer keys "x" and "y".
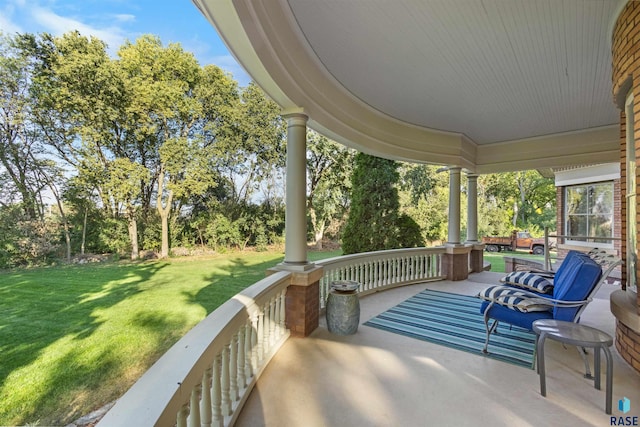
{"x": 489, "y": 85}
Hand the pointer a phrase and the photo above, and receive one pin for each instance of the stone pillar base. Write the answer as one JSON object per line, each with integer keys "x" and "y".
{"x": 476, "y": 258}
{"x": 302, "y": 301}
{"x": 455, "y": 263}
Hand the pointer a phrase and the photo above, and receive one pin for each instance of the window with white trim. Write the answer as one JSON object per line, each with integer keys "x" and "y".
{"x": 589, "y": 212}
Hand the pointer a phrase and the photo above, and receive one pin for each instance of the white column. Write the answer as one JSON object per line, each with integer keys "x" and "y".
{"x": 295, "y": 252}
{"x": 454, "y": 206}
{"x": 472, "y": 208}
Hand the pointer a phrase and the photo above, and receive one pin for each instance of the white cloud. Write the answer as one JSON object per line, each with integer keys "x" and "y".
{"x": 7, "y": 23}
{"x": 7, "y": 26}
{"x": 58, "y": 25}
{"x": 124, "y": 17}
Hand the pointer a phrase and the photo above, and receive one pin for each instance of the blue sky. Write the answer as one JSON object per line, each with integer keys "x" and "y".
{"x": 115, "y": 21}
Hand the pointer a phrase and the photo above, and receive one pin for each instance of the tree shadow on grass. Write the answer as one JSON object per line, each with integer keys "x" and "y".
{"x": 241, "y": 275}
{"x": 90, "y": 384}
{"x": 46, "y": 306}
{"x": 51, "y": 309}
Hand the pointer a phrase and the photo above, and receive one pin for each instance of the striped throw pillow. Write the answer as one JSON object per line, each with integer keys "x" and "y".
{"x": 528, "y": 281}
{"x": 514, "y": 299}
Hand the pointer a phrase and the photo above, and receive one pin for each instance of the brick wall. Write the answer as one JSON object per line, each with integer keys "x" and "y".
{"x": 302, "y": 309}
{"x": 628, "y": 345}
{"x": 623, "y": 191}
{"x": 626, "y": 78}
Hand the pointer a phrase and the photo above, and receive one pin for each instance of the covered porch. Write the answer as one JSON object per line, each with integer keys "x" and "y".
{"x": 472, "y": 85}
{"x": 380, "y": 378}
{"x": 242, "y": 365}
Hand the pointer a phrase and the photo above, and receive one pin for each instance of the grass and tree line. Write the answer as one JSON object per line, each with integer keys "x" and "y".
{"x": 149, "y": 152}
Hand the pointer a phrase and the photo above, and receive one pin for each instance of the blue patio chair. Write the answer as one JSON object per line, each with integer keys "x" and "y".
{"x": 599, "y": 255}
{"x": 574, "y": 285}
{"x": 550, "y": 274}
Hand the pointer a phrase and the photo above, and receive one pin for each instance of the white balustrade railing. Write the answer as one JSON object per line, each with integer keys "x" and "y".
{"x": 204, "y": 379}
{"x": 376, "y": 271}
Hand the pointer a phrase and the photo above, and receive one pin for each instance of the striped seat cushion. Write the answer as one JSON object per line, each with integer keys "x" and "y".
{"x": 515, "y": 299}
{"x": 528, "y": 281}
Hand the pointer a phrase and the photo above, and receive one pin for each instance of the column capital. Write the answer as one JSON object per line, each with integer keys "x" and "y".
{"x": 295, "y": 116}
{"x": 472, "y": 175}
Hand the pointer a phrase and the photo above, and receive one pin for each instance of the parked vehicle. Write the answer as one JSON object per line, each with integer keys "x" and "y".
{"x": 517, "y": 240}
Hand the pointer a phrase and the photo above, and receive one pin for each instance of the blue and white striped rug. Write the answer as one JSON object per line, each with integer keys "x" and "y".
{"x": 455, "y": 321}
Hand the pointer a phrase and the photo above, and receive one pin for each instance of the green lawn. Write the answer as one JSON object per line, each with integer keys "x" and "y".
{"x": 73, "y": 338}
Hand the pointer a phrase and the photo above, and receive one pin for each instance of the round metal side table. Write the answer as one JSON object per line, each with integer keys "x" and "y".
{"x": 580, "y": 336}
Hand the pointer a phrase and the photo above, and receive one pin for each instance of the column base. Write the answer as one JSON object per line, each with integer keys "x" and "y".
{"x": 295, "y": 266}
{"x": 476, "y": 257}
{"x": 455, "y": 262}
{"x": 302, "y": 300}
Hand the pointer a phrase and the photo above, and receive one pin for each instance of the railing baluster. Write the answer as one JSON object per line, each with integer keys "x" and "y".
{"x": 233, "y": 369}
{"x": 367, "y": 276}
{"x": 194, "y": 407}
{"x": 260, "y": 336}
{"x": 387, "y": 272}
{"x": 224, "y": 382}
{"x": 265, "y": 330}
{"x": 283, "y": 298}
{"x": 205, "y": 402}
{"x": 181, "y": 417}
{"x": 216, "y": 395}
{"x": 414, "y": 268}
{"x": 425, "y": 266}
{"x": 242, "y": 378}
{"x": 276, "y": 320}
{"x": 248, "y": 349}
{"x": 272, "y": 323}
{"x": 254, "y": 344}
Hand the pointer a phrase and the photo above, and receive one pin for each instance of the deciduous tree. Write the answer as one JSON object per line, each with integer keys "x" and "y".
{"x": 329, "y": 166}
{"x": 20, "y": 146}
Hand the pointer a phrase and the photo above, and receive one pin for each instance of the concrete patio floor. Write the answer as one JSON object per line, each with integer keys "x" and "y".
{"x": 377, "y": 378}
